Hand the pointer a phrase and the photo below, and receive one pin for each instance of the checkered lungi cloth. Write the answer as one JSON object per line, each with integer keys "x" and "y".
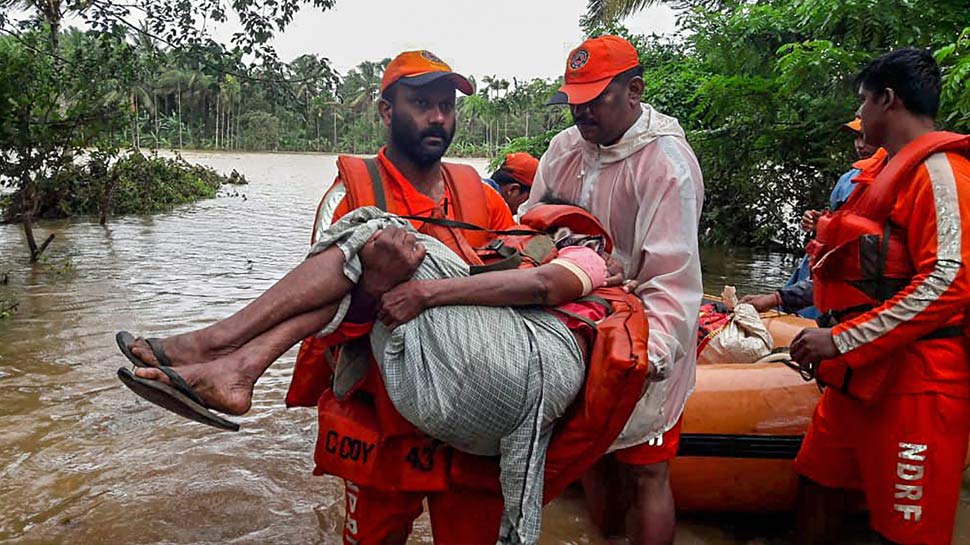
{"x": 485, "y": 380}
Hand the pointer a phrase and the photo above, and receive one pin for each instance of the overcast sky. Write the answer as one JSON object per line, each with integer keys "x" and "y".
{"x": 506, "y": 38}
{"x": 524, "y": 39}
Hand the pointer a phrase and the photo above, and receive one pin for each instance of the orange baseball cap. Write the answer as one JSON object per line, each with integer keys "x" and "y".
{"x": 592, "y": 66}
{"x": 521, "y": 166}
{"x": 855, "y": 125}
{"x": 417, "y": 68}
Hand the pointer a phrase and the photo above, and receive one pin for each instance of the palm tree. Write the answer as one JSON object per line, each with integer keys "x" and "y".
{"x": 51, "y": 11}
{"x": 327, "y": 106}
{"x": 139, "y": 94}
{"x": 606, "y": 11}
{"x": 232, "y": 90}
{"x": 360, "y": 90}
{"x": 173, "y": 78}
{"x": 313, "y": 77}
{"x": 190, "y": 84}
{"x": 479, "y": 107}
{"x": 602, "y": 11}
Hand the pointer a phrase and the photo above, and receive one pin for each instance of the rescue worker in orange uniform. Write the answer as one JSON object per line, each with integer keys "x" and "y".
{"x": 513, "y": 179}
{"x": 384, "y": 493}
{"x": 890, "y": 274}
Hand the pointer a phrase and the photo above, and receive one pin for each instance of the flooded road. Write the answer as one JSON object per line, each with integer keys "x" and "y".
{"x": 82, "y": 460}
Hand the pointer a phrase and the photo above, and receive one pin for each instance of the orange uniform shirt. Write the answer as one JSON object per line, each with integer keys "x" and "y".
{"x": 419, "y": 204}
{"x": 933, "y": 210}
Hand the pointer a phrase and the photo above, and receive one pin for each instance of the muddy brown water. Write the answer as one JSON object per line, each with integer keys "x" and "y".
{"x": 82, "y": 460}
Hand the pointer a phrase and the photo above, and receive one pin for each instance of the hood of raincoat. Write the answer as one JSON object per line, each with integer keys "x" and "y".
{"x": 650, "y": 126}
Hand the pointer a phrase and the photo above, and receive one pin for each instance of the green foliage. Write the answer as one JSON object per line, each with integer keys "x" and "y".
{"x": 61, "y": 104}
{"x": 763, "y": 86}
{"x": 62, "y": 93}
{"x": 58, "y": 268}
{"x": 7, "y": 308}
{"x": 954, "y": 59}
{"x": 196, "y": 94}
{"x": 259, "y": 130}
{"x": 533, "y": 145}
{"x": 154, "y": 184}
{"x": 49, "y": 115}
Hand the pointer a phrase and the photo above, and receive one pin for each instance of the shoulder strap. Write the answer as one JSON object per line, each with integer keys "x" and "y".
{"x": 883, "y": 290}
{"x": 507, "y": 263}
{"x": 380, "y": 199}
{"x": 575, "y": 316}
{"x": 591, "y": 298}
{"x": 445, "y": 222}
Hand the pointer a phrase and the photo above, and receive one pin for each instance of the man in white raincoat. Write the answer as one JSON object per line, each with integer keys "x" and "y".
{"x": 632, "y": 167}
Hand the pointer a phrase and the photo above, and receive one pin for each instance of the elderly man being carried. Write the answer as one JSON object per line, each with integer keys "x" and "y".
{"x": 448, "y": 367}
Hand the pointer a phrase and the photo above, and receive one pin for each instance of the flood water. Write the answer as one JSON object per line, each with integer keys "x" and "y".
{"x": 83, "y": 460}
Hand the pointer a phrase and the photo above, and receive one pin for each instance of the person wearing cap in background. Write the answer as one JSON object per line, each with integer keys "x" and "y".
{"x": 796, "y": 295}
{"x": 390, "y": 468}
{"x": 513, "y": 179}
{"x": 632, "y": 167}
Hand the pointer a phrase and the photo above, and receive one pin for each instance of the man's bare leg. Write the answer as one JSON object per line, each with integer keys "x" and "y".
{"x": 389, "y": 258}
{"x": 651, "y": 519}
{"x": 607, "y": 496}
{"x": 819, "y": 513}
{"x": 226, "y": 383}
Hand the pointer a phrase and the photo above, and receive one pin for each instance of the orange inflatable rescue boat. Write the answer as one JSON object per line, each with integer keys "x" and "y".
{"x": 742, "y": 427}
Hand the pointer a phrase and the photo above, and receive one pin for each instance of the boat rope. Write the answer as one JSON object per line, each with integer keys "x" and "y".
{"x": 780, "y": 354}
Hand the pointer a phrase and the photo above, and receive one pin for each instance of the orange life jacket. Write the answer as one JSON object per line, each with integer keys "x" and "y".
{"x": 364, "y": 180}
{"x": 366, "y": 185}
{"x": 527, "y": 245}
{"x": 547, "y": 216}
{"x": 616, "y": 376}
{"x": 859, "y": 259}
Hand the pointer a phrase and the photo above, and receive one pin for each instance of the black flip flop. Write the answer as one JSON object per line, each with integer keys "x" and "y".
{"x": 178, "y": 398}
{"x": 125, "y": 340}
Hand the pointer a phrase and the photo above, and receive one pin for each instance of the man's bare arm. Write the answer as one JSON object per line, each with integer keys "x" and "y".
{"x": 548, "y": 285}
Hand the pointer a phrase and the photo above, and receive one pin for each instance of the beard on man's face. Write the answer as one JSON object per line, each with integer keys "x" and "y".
{"x": 410, "y": 141}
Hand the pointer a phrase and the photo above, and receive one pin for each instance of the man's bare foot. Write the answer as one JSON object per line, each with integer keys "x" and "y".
{"x": 221, "y": 384}
{"x": 183, "y": 349}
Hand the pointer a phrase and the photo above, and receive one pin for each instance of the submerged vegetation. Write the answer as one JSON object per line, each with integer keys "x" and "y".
{"x": 130, "y": 184}
{"x": 7, "y": 307}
